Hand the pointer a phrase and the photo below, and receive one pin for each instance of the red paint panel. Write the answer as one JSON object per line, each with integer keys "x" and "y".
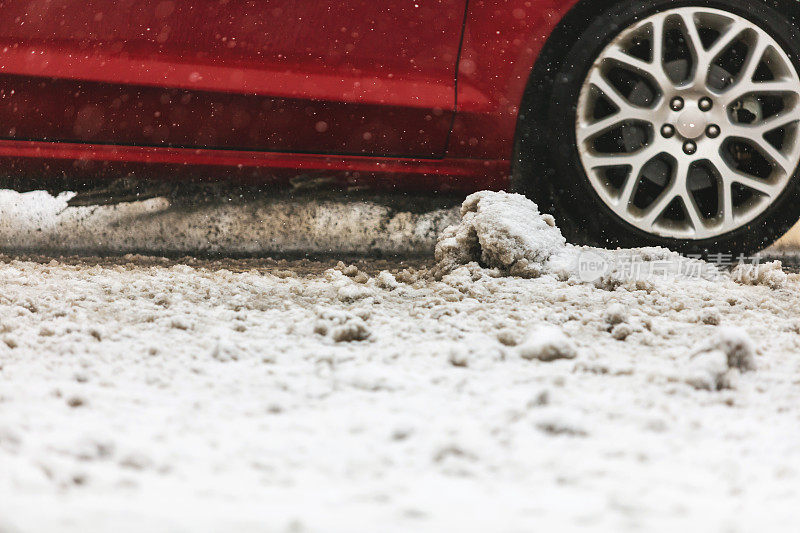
{"x": 353, "y": 76}
{"x": 98, "y": 113}
{"x": 349, "y": 76}
{"x": 502, "y": 40}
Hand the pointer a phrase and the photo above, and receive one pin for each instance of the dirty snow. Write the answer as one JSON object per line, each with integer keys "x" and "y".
{"x": 147, "y": 394}
{"x": 770, "y": 274}
{"x": 507, "y": 234}
{"x": 311, "y": 223}
{"x": 503, "y": 231}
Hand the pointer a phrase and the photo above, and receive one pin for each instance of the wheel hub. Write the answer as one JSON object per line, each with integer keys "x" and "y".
{"x": 692, "y": 123}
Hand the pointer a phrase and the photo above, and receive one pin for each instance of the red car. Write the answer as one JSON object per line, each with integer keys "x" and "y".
{"x": 659, "y": 122}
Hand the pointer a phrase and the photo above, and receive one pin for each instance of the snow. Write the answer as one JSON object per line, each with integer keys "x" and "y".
{"x": 507, "y": 233}
{"x": 547, "y": 343}
{"x": 141, "y": 393}
{"x": 709, "y": 371}
{"x": 770, "y": 274}
{"x": 717, "y": 362}
{"x": 500, "y": 230}
{"x": 737, "y": 347}
{"x": 316, "y": 223}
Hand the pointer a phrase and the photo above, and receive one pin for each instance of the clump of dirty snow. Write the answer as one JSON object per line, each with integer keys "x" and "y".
{"x": 709, "y": 371}
{"x": 507, "y": 233}
{"x": 500, "y": 230}
{"x": 716, "y": 363}
{"x": 769, "y": 274}
{"x": 342, "y": 326}
{"x": 616, "y": 314}
{"x": 737, "y": 346}
{"x": 547, "y": 343}
{"x": 386, "y": 280}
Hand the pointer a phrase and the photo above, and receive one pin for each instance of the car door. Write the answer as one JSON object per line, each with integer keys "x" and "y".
{"x": 317, "y": 76}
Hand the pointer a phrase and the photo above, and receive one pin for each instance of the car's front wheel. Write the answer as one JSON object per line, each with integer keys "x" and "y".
{"x": 676, "y": 124}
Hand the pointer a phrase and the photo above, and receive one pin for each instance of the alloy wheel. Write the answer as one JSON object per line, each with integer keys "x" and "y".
{"x": 687, "y": 123}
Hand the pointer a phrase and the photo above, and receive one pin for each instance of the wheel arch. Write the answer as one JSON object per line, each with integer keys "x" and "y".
{"x": 532, "y": 142}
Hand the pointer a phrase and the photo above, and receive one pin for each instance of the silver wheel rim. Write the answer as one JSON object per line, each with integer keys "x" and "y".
{"x": 687, "y": 123}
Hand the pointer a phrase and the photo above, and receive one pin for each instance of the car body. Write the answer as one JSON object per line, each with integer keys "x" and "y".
{"x": 410, "y": 95}
{"x": 669, "y": 123}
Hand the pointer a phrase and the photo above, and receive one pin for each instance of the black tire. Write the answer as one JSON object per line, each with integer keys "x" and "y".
{"x": 547, "y": 164}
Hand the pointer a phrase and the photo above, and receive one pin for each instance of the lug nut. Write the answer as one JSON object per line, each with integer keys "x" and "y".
{"x": 667, "y": 131}
{"x": 705, "y": 104}
{"x": 676, "y": 104}
{"x": 713, "y": 131}
{"x": 689, "y": 148}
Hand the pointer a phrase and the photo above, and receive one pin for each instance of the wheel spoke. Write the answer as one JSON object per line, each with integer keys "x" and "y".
{"x": 618, "y": 55}
{"x": 692, "y": 36}
{"x": 781, "y": 120}
{"x": 588, "y": 131}
{"x": 742, "y": 89}
{"x": 652, "y": 69}
{"x": 733, "y": 31}
{"x": 771, "y": 153}
{"x": 754, "y": 58}
{"x": 625, "y": 196}
{"x": 695, "y": 216}
{"x": 625, "y": 108}
{"x": 730, "y": 176}
{"x": 676, "y": 188}
{"x": 658, "y": 206}
{"x": 725, "y": 193}
{"x": 658, "y": 45}
{"x": 698, "y": 51}
{"x": 705, "y": 58}
{"x": 727, "y": 203}
{"x": 633, "y": 159}
{"x": 756, "y": 184}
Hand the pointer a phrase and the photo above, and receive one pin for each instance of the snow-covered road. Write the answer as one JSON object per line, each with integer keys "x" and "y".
{"x": 141, "y": 394}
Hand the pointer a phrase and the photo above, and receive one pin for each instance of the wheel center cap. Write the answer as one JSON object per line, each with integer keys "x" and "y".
{"x": 691, "y": 123}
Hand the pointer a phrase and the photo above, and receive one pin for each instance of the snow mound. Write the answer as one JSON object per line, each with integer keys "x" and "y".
{"x": 342, "y": 326}
{"x": 737, "y": 346}
{"x": 769, "y": 274}
{"x": 616, "y": 314}
{"x": 507, "y": 233}
{"x": 227, "y": 224}
{"x": 547, "y": 343}
{"x": 715, "y": 364}
{"x": 709, "y": 371}
{"x": 503, "y": 231}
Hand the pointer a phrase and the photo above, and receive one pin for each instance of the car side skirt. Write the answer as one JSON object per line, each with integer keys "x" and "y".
{"x": 27, "y": 159}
